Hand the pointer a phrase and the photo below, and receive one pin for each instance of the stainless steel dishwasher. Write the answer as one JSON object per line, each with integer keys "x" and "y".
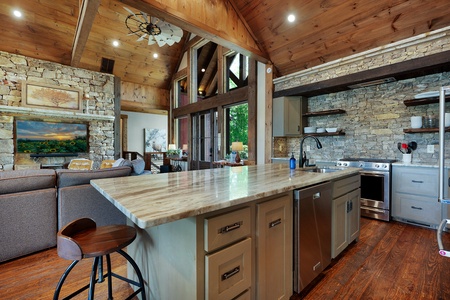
{"x": 312, "y": 233}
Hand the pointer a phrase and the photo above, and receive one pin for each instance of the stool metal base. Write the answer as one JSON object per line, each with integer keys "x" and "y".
{"x": 97, "y": 267}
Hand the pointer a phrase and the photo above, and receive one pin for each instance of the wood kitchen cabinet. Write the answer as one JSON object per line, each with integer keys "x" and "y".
{"x": 345, "y": 213}
{"x": 241, "y": 252}
{"x": 415, "y": 195}
{"x": 274, "y": 249}
{"x": 287, "y": 116}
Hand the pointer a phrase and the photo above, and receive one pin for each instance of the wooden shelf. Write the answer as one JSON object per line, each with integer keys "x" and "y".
{"x": 424, "y": 130}
{"x": 326, "y": 133}
{"x": 324, "y": 113}
{"x": 423, "y": 101}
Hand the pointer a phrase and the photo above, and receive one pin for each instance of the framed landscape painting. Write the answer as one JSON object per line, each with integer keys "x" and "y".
{"x": 51, "y": 97}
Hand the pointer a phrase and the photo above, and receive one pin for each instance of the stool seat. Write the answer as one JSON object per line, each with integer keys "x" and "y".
{"x": 83, "y": 239}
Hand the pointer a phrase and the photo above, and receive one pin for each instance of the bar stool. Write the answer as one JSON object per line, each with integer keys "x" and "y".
{"x": 83, "y": 239}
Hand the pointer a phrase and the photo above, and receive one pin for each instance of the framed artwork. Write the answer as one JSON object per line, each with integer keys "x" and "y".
{"x": 155, "y": 140}
{"x": 51, "y": 97}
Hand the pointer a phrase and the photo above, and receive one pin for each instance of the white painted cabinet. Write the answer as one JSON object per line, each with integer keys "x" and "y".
{"x": 345, "y": 213}
{"x": 287, "y": 116}
{"x": 415, "y": 195}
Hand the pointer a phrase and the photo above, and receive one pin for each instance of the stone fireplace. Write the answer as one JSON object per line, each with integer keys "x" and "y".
{"x": 100, "y": 117}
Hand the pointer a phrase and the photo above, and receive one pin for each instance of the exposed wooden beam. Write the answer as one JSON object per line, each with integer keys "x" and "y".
{"x": 234, "y": 96}
{"x": 88, "y": 11}
{"x": 142, "y": 107}
{"x": 225, "y": 28}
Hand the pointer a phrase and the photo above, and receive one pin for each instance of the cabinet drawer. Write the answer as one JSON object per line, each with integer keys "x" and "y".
{"x": 417, "y": 208}
{"x": 227, "y": 228}
{"x": 343, "y": 186}
{"x": 228, "y": 271}
{"x": 417, "y": 181}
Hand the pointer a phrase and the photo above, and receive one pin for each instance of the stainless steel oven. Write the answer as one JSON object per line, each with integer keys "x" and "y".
{"x": 375, "y": 185}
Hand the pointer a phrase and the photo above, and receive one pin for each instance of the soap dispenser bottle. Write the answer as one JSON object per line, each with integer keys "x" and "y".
{"x": 292, "y": 162}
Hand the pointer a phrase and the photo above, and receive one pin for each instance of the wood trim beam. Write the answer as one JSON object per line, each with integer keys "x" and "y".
{"x": 134, "y": 106}
{"x": 88, "y": 11}
{"x": 431, "y": 64}
{"x": 234, "y": 96}
{"x": 226, "y": 32}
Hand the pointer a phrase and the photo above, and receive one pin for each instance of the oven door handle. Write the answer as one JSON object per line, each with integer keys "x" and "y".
{"x": 374, "y": 174}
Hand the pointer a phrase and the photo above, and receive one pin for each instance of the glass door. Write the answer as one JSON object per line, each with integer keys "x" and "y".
{"x": 205, "y": 141}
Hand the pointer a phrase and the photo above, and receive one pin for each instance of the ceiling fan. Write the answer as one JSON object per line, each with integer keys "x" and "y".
{"x": 156, "y": 30}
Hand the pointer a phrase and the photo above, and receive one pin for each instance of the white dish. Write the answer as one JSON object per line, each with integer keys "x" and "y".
{"x": 310, "y": 129}
{"x": 320, "y": 130}
{"x": 333, "y": 129}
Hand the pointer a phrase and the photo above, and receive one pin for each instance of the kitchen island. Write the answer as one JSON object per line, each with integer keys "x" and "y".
{"x": 214, "y": 234}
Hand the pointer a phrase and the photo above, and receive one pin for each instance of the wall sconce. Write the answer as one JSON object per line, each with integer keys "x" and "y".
{"x": 86, "y": 99}
{"x": 236, "y": 147}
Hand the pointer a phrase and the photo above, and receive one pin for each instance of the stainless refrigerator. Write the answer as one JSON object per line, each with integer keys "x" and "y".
{"x": 443, "y": 181}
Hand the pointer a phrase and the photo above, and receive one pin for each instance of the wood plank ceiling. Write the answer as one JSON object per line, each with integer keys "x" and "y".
{"x": 323, "y": 31}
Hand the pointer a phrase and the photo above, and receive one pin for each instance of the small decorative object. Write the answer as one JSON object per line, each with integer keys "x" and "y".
{"x": 292, "y": 161}
{"x": 236, "y": 147}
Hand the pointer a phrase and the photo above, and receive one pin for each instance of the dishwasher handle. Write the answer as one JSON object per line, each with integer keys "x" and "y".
{"x": 442, "y": 251}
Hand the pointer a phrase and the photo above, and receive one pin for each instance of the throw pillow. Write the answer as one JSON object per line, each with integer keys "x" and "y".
{"x": 138, "y": 166}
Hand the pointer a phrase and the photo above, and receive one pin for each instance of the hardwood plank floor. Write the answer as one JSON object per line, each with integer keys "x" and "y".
{"x": 390, "y": 261}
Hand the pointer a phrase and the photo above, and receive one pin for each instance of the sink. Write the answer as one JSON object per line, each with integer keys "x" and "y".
{"x": 324, "y": 169}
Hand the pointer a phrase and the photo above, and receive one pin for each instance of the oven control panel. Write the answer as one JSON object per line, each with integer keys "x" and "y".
{"x": 366, "y": 165}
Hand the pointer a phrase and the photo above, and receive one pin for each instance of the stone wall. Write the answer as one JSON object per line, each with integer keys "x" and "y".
{"x": 16, "y": 69}
{"x": 375, "y": 116}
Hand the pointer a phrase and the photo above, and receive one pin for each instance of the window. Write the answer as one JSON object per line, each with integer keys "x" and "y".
{"x": 236, "y": 71}
{"x": 236, "y": 120}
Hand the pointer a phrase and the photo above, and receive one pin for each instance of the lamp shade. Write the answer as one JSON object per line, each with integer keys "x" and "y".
{"x": 237, "y": 146}
{"x": 185, "y": 147}
{"x": 172, "y": 147}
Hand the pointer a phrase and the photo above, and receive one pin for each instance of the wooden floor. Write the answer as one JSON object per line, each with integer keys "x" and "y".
{"x": 390, "y": 261}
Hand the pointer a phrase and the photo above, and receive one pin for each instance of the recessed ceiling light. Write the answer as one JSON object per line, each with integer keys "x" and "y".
{"x": 155, "y": 55}
{"x": 203, "y": 70}
{"x": 115, "y": 43}
{"x": 17, "y": 13}
{"x": 291, "y": 18}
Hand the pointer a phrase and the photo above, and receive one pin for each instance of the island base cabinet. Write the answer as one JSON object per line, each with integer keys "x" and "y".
{"x": 167, "y": 257}
{"x": 274, "y": 249}
{"x": 242, "y": 252}
{"x": 346, "y": 213}
{"x": 228, "y": 272}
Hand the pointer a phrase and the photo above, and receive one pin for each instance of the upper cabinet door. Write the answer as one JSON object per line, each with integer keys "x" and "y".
{"x": 287, "y": 116}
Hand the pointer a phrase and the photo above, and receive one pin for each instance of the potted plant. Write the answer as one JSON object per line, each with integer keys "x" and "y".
{"x": 174, "y": 153}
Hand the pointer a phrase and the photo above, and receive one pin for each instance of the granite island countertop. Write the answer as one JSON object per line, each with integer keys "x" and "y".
{"x": 150, "y": 200}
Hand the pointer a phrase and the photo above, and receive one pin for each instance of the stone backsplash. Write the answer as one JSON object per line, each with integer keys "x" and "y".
{"x": 15, "y": 69}
{"x": 373, "y": 122}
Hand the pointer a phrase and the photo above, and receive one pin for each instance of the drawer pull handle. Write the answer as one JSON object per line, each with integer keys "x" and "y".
{"x": 229, "y": 228}
{"x": 415, "y": 207}
{"x": 231, "y": 273}
{"x": 275, "y": 223}
{"x": 417, "y": 181}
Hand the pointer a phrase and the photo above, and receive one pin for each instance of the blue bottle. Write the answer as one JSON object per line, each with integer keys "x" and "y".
{"x": 292, "y": 162}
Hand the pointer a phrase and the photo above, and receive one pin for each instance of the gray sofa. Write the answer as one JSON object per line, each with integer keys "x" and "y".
{"x": 35, "y": 204}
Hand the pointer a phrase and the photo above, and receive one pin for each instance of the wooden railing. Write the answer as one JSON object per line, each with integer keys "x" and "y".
{"x": 147, "y": 157}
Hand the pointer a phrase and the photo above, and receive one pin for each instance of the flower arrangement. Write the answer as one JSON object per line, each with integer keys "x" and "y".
{"x": 174, "y": 153}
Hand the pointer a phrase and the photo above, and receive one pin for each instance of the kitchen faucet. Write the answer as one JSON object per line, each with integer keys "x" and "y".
{"x": 302, "y": 158}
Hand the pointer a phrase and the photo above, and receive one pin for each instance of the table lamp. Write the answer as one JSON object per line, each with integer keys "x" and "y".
{"x": 236, "y": 147}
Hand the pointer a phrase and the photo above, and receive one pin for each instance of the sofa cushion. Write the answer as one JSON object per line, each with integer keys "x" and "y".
{"x": 79, "y": 177}
{"x": 27, "y": 222}
{"x": 26, "y": 180}
{"x": 84, "y": 201}
{"x": 138, "y": 166}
